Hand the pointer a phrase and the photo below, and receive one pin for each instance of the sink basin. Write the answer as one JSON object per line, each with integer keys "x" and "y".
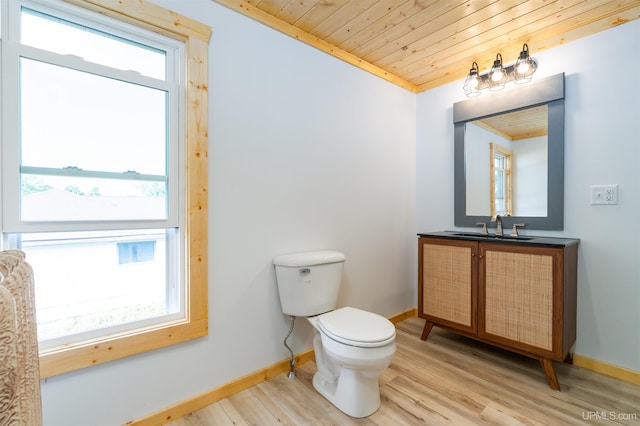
{"x": 491, "y": 237}
{"x": 519, "y": 237}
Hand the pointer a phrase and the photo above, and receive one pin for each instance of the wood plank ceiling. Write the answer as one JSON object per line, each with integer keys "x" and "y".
{"x": 518, "y": 125}
{"x": 422, "y": 44}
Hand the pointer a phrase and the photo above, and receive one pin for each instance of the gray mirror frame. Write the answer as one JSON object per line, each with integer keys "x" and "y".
{"x": 548, "y": 91}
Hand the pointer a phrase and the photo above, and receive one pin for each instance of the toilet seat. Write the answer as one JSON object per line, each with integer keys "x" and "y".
{"x": 356, "y": 327}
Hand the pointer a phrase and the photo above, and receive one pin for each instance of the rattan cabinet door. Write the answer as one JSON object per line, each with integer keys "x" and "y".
{"x": 516, "y": 294}
{"x": 447, "y": 283}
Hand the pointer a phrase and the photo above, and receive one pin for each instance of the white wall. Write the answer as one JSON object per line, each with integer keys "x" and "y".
{"x": 305, "y": 152}
{"x": 530, "y": 176}
{"x": 602, "y": 146}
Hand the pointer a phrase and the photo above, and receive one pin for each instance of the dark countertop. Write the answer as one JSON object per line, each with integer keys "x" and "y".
{"x": 521, "y": 240}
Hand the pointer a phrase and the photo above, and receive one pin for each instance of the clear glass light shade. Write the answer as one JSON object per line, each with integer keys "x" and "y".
{"x": 472, "y": 82}
{"x": 525, "y": 66}
{"x": 497, "y": 75}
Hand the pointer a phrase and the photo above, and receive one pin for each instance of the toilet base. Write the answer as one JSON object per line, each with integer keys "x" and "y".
{"x": 355, "y": 393}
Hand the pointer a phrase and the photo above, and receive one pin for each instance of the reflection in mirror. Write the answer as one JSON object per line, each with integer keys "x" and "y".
{"x": 509, "y": 173}
{"x": 522, "y": 177}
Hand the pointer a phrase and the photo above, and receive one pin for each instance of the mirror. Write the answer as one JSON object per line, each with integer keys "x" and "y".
{"x": 509, "y": 156}
{"x": 509, "y": 174}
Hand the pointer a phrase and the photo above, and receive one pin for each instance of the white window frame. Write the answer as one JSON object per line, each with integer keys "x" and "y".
{"x": 195, "y": 36}
{"x": 14, "y": 50}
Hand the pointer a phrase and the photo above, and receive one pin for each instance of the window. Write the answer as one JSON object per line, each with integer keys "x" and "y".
{"x": 104, "y": 175}
{"x": 141, "y": 251}
{"x": 501, "y": 186}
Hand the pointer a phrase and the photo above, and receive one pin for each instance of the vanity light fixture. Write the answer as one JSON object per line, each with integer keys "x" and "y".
{"x": 497, "y": 75}
{"x": 525, "y": 66}
{"x": 472, "y": 83}
{"x": 520, "y": 72}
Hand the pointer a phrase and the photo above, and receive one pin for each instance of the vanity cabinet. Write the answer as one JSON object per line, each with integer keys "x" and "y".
{"x": 516, "y": 294}
{"x": 447, "y": 284}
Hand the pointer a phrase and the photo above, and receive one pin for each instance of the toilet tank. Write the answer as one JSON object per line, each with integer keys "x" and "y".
{"x": 309, "y": 282}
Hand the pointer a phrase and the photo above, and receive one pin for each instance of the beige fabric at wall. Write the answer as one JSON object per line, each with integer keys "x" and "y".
{"x": 20, "y": 402}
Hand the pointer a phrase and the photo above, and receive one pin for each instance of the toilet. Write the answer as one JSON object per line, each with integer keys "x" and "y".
{"x": 352, "y": 347}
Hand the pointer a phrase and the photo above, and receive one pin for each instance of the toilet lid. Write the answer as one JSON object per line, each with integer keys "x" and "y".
{"x": 355, "y": 327}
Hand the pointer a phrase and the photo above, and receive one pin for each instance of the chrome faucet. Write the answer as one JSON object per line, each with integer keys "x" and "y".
{"x": 498, "y": 221}
{"x": 514, "y": 230}
{"x": 484, "y": 228}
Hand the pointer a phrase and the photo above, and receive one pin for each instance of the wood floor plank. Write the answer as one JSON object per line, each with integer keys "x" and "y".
{"x": 252, "y": 409}
{"x": 235, "y": 416}
{"x": 445, "y": 380}
{"x": 271, "y": 404}
{"x": 290, "y": 393}
{"x": 496, "y": 414}
{"x": 213, "y": 415}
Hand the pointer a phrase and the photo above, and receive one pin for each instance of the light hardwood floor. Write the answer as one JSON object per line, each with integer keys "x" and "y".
{"x": 446, "y": 380}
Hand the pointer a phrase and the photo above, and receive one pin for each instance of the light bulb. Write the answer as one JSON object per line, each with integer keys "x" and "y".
{"x": 496, "y": 76}
{"x": 523, "y": 67}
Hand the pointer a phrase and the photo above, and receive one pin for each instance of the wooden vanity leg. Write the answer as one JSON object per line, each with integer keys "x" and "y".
{"x": 547, "y": 367}
{"x": 427, "y": 329}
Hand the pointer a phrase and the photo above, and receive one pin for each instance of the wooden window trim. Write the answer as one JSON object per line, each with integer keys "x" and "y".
{"x": 196, "y": 38}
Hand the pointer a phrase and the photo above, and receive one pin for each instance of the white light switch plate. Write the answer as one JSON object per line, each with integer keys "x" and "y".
{"x": 604, "y": 194}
